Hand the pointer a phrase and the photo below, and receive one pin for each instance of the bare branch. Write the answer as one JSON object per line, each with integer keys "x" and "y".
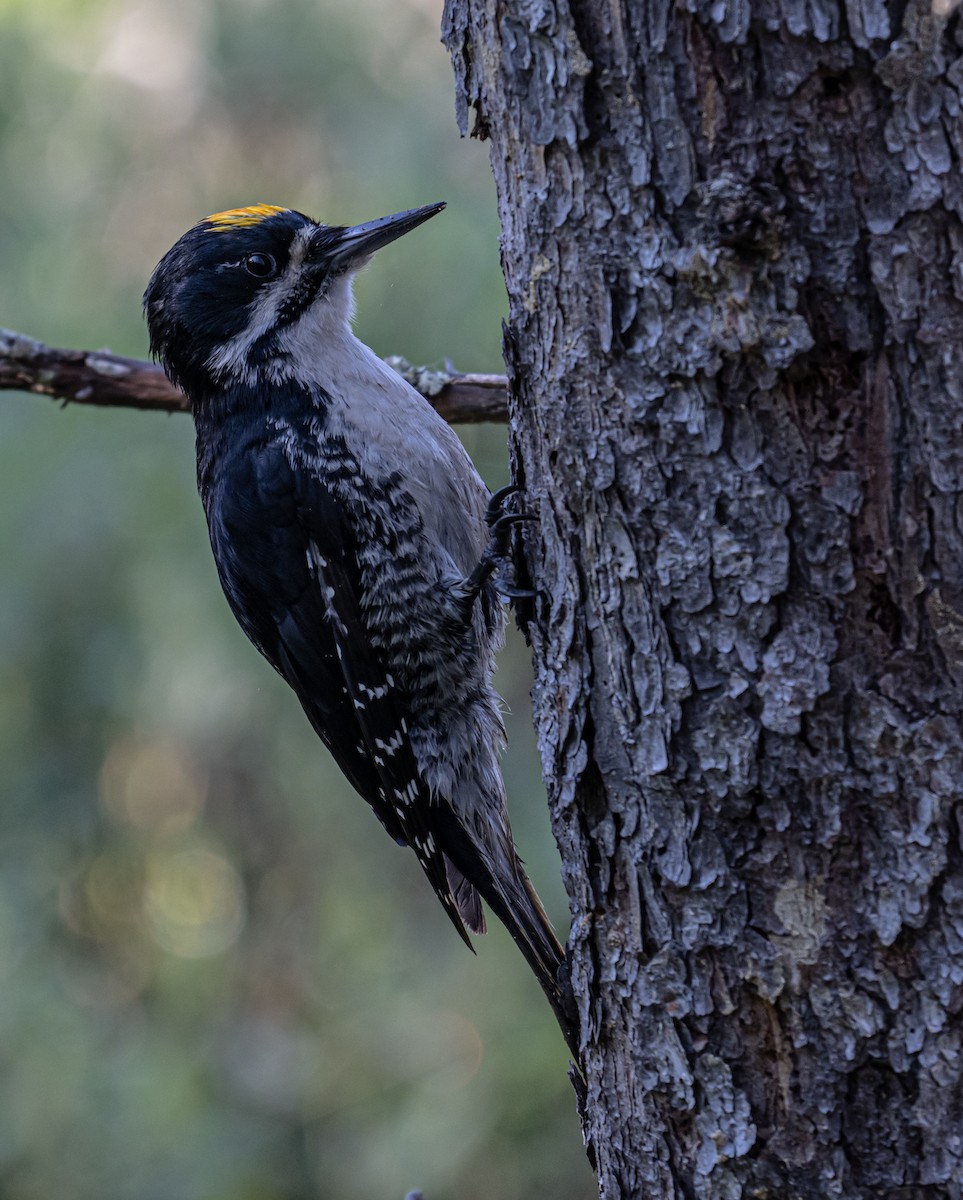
{"x": 84, "y": 377}
{"x": 109, "y": 380}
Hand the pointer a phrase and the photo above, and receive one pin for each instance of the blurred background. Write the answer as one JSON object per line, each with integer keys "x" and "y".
{"x": 218, "y": 977}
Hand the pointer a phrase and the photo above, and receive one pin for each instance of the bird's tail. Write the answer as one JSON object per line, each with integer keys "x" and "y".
{"x": 509, "y": 893}
{"x": 522, "y": 914}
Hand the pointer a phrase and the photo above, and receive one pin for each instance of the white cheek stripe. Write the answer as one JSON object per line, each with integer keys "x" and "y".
{"x": 232, "y": 356}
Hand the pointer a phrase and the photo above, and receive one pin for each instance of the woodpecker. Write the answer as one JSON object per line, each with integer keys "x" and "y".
{"x": 355, "y": 543}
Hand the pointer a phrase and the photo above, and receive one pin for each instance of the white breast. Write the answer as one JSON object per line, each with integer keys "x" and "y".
{"x": 389, "y": 424}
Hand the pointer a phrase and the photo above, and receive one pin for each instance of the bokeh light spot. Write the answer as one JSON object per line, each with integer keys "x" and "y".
{"x": 151, "y": 785}
{"x": 193, "y": 902}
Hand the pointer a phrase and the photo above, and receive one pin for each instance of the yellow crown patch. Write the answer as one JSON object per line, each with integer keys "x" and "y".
{"x": 238, "y": 218}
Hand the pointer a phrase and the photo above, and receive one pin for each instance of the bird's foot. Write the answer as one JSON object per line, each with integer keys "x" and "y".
{"x": 496, "y": 554}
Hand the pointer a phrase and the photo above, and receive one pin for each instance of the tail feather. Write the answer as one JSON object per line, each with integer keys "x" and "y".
{"x": 467, "y": 899}
{"x": 510, "y": 895}
{"x": 522, "y": 914}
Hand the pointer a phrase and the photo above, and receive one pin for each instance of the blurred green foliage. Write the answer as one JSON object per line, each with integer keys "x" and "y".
{"x": 218, "y": 978}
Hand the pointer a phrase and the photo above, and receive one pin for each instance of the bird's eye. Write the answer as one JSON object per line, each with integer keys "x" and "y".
{"x": 261, "y": 266}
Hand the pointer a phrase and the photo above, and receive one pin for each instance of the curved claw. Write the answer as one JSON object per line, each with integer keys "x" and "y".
{"x": 497, "y": 503}
{"x": 500, "y": 525}
{"x": 515, "y": 593}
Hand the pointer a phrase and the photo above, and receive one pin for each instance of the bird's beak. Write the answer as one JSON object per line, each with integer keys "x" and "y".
{"x": 351, "y": 246}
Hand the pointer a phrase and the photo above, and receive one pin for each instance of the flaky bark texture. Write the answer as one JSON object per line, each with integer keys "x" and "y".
{"x": 734, "y": 255}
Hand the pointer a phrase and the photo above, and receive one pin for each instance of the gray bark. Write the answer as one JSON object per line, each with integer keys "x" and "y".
{"x": 733, "y": 248}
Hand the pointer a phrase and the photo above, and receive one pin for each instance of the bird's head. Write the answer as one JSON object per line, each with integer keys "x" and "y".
{"x": 243, "y": 294}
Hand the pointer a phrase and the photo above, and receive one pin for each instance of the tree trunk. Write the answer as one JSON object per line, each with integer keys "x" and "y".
{"x": 734, "y": 256}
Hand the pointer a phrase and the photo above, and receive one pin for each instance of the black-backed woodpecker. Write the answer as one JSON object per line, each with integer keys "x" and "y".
{"x": 351, "y": 535}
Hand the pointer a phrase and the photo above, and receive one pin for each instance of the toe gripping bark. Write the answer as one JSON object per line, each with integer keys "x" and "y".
{"x": 496, "y": 553}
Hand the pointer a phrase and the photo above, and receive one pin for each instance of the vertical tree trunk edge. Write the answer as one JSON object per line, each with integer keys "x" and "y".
{"x": 732, "y": 242}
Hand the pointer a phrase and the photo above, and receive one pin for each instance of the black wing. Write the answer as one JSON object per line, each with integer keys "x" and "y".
{"x": 286, "y": 555}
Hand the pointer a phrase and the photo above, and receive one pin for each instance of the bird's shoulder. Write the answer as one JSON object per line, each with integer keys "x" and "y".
{"x": 269, "y": 471}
